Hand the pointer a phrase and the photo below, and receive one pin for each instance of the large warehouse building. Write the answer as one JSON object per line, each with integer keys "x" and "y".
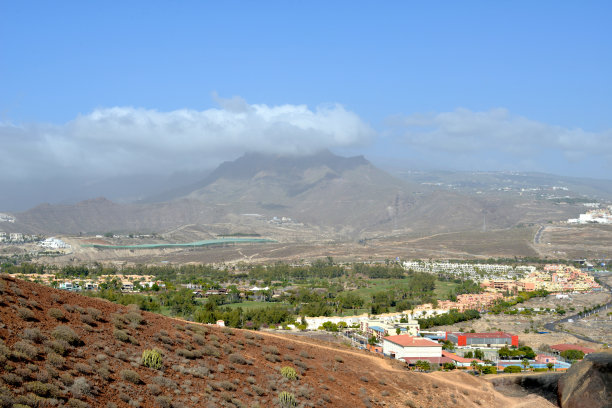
{"x": 497, "y": 339}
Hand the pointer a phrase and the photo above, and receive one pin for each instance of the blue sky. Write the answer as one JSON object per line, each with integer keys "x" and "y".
{"x": 474, "y": 85}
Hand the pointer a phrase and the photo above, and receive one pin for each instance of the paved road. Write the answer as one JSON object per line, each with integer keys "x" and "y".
{"x": 552, "y": 326}
{"x": 538, "y": 235}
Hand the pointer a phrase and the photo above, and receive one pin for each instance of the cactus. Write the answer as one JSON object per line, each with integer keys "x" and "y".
{"x": 287, "y": 399}
{"x": 152, "y": 359}
{"x": 289, "y": 372}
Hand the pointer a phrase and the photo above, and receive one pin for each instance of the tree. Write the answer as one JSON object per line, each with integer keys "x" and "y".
{"x": 572, "y": 354}
{"x": 525, "y": 364}
{"x": 398, "y": 331}
{"x": 449, "y": 366}
{"x": 478, "y": 353}
{"x": 550, "y": 366}
{"x": 372, "y": 340}
{"x": 422, "y": 365}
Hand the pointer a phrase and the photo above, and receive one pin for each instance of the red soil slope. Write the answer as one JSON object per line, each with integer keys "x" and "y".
{"x": 203, "y": 366}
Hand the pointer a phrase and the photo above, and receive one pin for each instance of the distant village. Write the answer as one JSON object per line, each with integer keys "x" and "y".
{"x": 595, "y": 216}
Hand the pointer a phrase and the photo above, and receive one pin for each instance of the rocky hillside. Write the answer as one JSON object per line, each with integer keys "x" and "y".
{"x": 63, "y": 349}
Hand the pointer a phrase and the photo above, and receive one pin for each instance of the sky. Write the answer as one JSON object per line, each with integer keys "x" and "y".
{"x": 98, "y": 90}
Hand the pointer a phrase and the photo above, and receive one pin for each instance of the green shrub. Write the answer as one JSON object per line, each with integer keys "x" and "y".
{"x": 289, "y": 372}
{"x": 489, "y": 370}
{"x": 152, "y": 359}
{"x": 56, "y": 360}
{"x": 286, "y": 399}
{"x": 131, "y": 376}
{"x": 60, "y": 347}
{"x": 43, "y": 390}
{"x": 512, "y": 369}
{"x": 67, "y": 334}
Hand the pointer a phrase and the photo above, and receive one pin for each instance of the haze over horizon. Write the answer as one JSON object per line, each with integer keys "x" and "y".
{"x": 95, "y": 93}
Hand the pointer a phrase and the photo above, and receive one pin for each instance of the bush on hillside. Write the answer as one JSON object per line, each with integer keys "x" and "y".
{"x": 152, "y": 359}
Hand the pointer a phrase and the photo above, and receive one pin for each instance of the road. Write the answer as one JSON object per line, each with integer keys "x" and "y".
{"x": 552, "y": 326}
{"x": 538, "y": 235}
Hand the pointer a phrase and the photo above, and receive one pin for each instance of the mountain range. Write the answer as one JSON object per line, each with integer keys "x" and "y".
{"x": 348, "y": 197}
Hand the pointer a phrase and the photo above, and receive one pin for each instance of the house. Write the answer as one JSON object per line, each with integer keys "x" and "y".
{"x": 382, "y": 327}
{"x": 405, "y": 347}
{"x": 460, "y": 361}
{"x": 545, "y": 359}
{"x": 559, "y": 348}
{"x": 496, "y": 339}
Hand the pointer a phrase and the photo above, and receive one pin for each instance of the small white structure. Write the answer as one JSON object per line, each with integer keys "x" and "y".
{"x": 53, "y": 243}
{"x": 406, "y": 346}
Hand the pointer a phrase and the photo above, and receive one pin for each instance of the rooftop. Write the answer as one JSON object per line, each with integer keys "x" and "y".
{"x": 405, "y": 340}
{"x": 566, "y": 346}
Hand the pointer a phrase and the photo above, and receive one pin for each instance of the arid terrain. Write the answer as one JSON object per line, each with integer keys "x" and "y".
{"x": 519, "y": 323}
{"x": 63, "y": 348}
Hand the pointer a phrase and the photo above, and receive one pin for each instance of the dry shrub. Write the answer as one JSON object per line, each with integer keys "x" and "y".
{"x": 26, "y": 314}
{"x": 34, "y": 334}
{"x": 26, "y": 350}
{"x": 56, "y": 314}
{"x": 67, "y": 334}
{"x": 131, "y": 376}
{"x": 80, "y": 387}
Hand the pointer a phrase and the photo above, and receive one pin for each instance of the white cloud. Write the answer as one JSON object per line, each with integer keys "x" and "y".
{"x": 127, "y": 140}
{"x": 466, "y": 132}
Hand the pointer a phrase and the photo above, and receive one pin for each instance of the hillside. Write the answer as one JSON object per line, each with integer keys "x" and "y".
{"x": 60, "y": 348}
{"x": 325, "y": 194}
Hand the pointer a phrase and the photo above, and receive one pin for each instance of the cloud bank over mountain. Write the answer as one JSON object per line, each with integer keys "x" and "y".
{"x": 111, "y": 151}
{"x": 126, "y": 140}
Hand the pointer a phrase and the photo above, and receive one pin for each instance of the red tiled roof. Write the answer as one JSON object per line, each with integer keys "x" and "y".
{"x": 459, "y": 359}
{"x": 406, "y": 340}
{"x": 565, "y": 346}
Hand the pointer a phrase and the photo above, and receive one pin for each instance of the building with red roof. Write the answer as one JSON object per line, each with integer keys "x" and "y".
{"x": 565, "y": 346}
{"x": 460, "y": 361}
{"x": 495, "y": 339}
{"x": 405, "y": 346}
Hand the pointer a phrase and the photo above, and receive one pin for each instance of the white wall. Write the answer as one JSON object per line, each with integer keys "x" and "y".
{"x": 411, "y": 352}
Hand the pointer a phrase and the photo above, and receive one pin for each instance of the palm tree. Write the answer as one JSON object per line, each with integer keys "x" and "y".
{"x": 550, "y": 366}
{"x": 525, "y": 364}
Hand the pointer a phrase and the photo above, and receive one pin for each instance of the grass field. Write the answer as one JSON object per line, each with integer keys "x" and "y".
{"x": 441, "y": 291}
{"x": 251, "y": 304}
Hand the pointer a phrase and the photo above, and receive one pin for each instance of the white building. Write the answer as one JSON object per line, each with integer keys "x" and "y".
{"x": 16, "y": 237}
{"x": 53, "y": 243}
{"x": 406, "y": 346}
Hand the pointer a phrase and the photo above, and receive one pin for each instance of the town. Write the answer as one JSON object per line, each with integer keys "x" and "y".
{"x": 404, "y": 335}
